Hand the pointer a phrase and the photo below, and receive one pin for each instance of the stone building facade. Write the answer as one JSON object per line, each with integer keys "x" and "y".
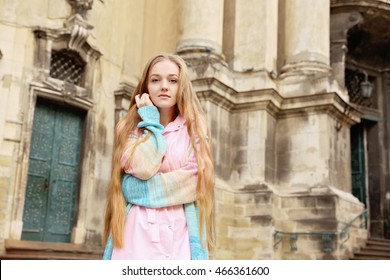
{"x": 301, "y": 156}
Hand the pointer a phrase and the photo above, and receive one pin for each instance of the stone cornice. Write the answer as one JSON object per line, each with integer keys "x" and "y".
{"x": 51, "y": 92}
{"x": 65, "y": 34}
{"x": 331, "y": 103}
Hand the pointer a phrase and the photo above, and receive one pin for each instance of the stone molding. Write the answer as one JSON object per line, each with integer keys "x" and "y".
{"x": 53, "y": 93}
{"x": 72, "y": 38}
{"x": 215, "y": 91}
{"x": 122, "y": 99}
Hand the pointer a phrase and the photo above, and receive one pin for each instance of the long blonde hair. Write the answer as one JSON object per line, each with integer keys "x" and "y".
{"x": 188, "y": 105}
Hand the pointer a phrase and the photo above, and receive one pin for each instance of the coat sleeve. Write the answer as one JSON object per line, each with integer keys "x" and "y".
{"x": 148, "y": 150}
{"x": 165, "y": 189}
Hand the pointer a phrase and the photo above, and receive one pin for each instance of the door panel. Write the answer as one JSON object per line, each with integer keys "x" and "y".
{"x": 35, "y": 207}
{"x": 53, "y": 173}
{"x": 358, "y": 162}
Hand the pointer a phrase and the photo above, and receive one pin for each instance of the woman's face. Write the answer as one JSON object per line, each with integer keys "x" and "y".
{"x": 163, "y": 84}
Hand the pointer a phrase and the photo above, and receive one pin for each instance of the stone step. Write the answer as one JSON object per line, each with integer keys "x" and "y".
{"x": 22, "y": 249}
{"x": 368, "y": 255}
{"x": 375, "y": 249}
{"x": 380, "y": 242}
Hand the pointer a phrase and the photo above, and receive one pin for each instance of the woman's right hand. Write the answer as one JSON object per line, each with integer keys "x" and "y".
{"x": 143, "y": 100}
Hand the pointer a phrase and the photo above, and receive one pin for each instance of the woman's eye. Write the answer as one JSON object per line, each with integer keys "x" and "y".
{"x": 154, "y": 80}
{"x": 173, "y": 81}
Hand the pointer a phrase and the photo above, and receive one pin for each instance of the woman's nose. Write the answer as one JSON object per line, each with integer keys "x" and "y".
{"x": 164, "y": 85}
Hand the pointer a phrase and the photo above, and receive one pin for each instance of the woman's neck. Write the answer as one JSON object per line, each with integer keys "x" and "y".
{"x": 167, "y": 116}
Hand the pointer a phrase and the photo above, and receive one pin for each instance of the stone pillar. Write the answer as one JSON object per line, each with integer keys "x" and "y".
{"x": 255, "y": 33}
{"x": 306, "y": 42}
{"x": 202, "y": 25}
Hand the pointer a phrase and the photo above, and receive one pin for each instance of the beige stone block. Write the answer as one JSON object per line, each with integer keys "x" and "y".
{"x": 242, "y": 244}
{"x": 325, "y": 202}
{"x": 263, "y": 220}
{"x": 298, "y": 202}
{"x": 244, "y": 198}
{"x": 310, "y": 225}
{"x": 5, "y": 171}
{"x": 58, "y": 9}
{"x": 8, "y": 52}
{"x": 4, "y": 182}
{"x": 12, "y": 131}
{"x": 239, "y": 210}
{"x": 225, "y": 242}
{"x": 221, "y": 230}
{"x": 242, "y": 222}
{"x": 7, "y": 34}
{"x": 228, "y": 197}
{"x": 3, "y": 202}
{"x": 5, "y": 161}
{"x": 241, "y": 232}
{"x": 221, "y": 254}
{"x": 226, "y": 209}
{"x": 298, "y": 214}
{"x": 258, "y": 210}
{"x": 18, "y": 56}
{"x": 7, "y": 148}
{"x": 225, "y": 220}
{"x": 244, "y": 255}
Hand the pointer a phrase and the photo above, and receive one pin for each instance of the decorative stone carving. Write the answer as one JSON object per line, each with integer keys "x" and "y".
{"x": 77, "y": 23}
{"x": 81, "y": 6}
{"x": 79, "y": 31}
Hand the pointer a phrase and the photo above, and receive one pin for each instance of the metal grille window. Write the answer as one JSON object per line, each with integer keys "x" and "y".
{"x": 67, "y": 66}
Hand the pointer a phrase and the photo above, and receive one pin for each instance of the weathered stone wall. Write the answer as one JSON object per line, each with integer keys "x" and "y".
{"x": 279, "y": 120}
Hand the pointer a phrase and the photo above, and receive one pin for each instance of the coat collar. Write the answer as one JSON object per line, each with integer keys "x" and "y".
{"x": 176, "y": 124}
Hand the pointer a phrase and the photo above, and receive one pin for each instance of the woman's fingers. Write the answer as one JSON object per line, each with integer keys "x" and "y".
{"x": 143, "y": 100}
{"x": 137, "y": 100}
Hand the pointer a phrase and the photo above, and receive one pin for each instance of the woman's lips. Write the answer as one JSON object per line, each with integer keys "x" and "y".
{"x": 164, "y": 96}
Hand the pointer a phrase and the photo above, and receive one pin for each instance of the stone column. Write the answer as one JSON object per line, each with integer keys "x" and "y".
{"x": 306, "y": 41}
{"x": 202, "y": 25}
{"x": 255, "y": 35}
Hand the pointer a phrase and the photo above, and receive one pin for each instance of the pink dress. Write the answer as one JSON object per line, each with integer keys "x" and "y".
{"x": 162, "y": 233}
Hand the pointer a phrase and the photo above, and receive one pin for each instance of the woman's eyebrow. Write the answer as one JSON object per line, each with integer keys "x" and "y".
{"x": 158, "y": 75}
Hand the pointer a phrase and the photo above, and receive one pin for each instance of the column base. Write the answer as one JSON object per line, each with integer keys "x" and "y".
{"x": 305, "y": 68}
{"x": 193, "y": 47}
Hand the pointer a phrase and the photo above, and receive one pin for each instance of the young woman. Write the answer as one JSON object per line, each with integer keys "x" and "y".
{"x": 160, "y": 201}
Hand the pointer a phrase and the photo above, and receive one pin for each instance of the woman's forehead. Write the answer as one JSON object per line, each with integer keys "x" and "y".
{"x": 165, "y": 66}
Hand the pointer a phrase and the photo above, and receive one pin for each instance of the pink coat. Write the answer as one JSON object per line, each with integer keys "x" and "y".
{"x": 160, "y": 233}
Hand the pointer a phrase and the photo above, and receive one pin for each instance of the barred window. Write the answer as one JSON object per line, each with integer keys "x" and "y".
{"x": 67, "y": 65}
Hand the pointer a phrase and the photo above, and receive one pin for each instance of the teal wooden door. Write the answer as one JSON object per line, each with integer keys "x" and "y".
{"x": 53, "y": 173}
{"x": 358, "y": 165}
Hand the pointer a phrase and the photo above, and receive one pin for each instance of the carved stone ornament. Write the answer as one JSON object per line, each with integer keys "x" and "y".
{"x": 81, "y": 6}
{"x": 77, "y": 23}
{"x": 79, "y": 31}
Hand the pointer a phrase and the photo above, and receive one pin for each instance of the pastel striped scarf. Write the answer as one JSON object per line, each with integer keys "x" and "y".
{"x": 163, "y": 191}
